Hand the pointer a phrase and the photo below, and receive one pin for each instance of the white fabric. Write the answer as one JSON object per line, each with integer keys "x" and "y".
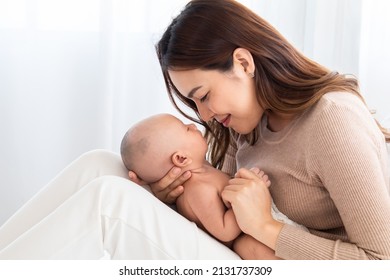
{"x": 91, "y": 208}
{"x": 279, "y": 216}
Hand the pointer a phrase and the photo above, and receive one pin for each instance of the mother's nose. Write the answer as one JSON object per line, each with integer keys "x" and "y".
{"x": 205, "y": 113}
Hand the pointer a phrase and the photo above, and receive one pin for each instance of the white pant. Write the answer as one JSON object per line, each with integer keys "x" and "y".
{"x": 91, "y": 208}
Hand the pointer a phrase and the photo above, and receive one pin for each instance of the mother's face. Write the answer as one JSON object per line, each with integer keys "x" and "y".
{"x": 228, "y": 97}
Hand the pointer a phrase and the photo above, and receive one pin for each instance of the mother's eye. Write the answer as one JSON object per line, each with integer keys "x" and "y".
{"x": 204, "y": 98}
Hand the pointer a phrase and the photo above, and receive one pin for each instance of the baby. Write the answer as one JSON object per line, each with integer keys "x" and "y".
{"x": 156, "y": 144}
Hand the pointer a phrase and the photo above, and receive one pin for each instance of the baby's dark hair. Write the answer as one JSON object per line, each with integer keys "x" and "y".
{"x": 139, "y": 150}
{"x": 125, "y": 150}
{"x": 131, "y": 149}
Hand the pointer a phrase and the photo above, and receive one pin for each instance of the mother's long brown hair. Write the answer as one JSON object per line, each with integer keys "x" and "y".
{"x": 204, "y": 36}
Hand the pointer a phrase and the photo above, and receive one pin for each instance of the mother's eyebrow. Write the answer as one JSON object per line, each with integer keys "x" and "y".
{"x": 192, "y": 91}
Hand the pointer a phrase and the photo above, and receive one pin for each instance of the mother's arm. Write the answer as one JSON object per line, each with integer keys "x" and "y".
{"x": 349, "y": 157}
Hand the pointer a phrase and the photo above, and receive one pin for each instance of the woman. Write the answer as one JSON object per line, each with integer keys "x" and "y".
{"x": 265, "y": 104}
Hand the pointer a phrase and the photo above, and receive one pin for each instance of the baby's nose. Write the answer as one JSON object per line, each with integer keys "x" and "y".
{"x": 193, "y": 127}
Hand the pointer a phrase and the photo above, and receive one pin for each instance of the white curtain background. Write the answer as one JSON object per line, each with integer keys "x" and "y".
{"x": 75, "y": 74}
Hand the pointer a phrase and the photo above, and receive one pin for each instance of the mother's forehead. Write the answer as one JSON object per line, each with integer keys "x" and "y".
{"x": 188, "y": 82}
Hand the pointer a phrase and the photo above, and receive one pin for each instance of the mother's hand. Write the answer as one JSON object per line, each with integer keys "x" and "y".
{"x": 169, "y": 188}
{"x": 251, "y": 201}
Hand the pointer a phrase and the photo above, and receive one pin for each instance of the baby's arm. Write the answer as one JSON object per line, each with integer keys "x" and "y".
{"x": 249, "y": 248}
{"x": 209, "y": 208}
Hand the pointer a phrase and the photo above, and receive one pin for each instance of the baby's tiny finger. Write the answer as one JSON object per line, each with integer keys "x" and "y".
{"x": 255, "y": 170}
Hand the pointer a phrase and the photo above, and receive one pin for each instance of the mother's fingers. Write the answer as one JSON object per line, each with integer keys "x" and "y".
{"x": 134, "y": 178}
{"x": 171, "y": 185}
{"x": 239, "y": 187}
{"x": 229, "y": 195}
{"x": 167, "y": 181}
{"x": 171, "y": 196}
{"x": 239, "y": 182}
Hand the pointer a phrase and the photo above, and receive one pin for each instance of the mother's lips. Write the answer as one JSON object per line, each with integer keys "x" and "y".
{"x": 225, "y": 121}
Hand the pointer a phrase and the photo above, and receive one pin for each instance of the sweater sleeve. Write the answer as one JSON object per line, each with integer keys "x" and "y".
{"x": 348, "y": 154}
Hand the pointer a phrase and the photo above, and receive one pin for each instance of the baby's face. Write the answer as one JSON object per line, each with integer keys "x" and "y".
{"x": 163, "y": 136}
{"x": 184, "y": 137}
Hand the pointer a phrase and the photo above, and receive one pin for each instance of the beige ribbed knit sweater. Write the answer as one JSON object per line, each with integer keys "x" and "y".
{"x": 329, "y": 172}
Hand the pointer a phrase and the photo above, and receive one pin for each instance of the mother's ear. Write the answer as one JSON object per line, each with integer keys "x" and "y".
{"x": 243, "y": 58}
{"x": 180, "y": 159}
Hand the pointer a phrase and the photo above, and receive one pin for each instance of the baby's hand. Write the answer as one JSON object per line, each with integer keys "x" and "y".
{"x": 264, "y": 177}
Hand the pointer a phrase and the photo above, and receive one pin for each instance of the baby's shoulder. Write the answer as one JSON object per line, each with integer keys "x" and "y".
{"x": 198, "y": 183}
{"x": 213, "y": 181}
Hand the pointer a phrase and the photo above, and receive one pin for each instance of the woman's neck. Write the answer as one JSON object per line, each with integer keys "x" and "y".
{"x": 278, "y": 121}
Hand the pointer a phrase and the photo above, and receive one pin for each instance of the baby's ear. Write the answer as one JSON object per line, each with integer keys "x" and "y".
{"x": 180, "y": 159}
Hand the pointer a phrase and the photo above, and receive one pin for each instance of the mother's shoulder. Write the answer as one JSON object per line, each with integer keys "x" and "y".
{"x": 340, "y": 98}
